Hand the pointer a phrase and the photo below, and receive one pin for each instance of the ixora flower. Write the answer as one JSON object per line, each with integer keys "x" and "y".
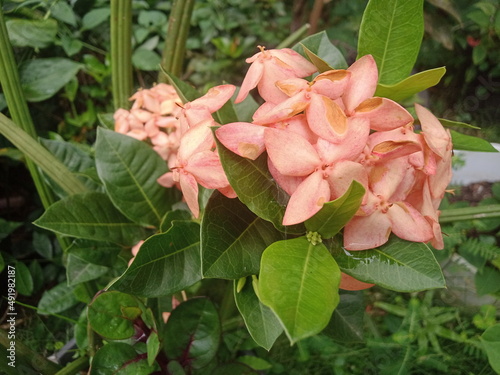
{"x": 322, "y": 134}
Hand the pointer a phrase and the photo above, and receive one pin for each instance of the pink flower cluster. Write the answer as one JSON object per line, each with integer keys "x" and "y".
{"x": 321, "y": 135}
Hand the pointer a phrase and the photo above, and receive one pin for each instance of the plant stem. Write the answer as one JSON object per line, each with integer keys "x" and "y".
{"x": 175, "y": 41}
{"x": 18, "y": 108}
{"x": 294, "y": 37}
{"x": 121, "y": 52}
{"x": 75, "y": 367}
{"x": 42, "y": 157}
{"x": 470, "y": 213}
{"x": 38, "y": 362}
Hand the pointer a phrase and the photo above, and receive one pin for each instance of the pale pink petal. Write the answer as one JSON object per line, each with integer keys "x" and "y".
{"x": 301, "y": 66}
{"x": 242, "y": 138}
{"x": 196, "y": 139}
{"x": 285, "y": 109}
{"x": 274, "y": 70}
{"x": 166, "y": 180}
{"x": 298, "y": 125}
{"x": 342, "y": 174}
{"x": 228, "y": 191}
{"x": 362, "y": 84}
{"x": 252, "y": 78}
{"x": 287, "y": 183}
{"x": 206, "y": 168}
{"x": 409, "y": 224}
{"x": 386, "y": 177}
{"x": 348, "y": 282}
{"x": 216, "y": 97}
{"x": 384, "y": 114}
{"x": 291, "y": 154}
{"x": 367, "y": 232}
{"x": 263, "y": 110}
{"x": 189, "y": 188}
{"x": 326, "y": 118}
{"x": 308, "y": 199}
{"x": 394, "y": 143}
{"x": 436, "y": 136}
{"x": 292, "y": 86}
{"x": 332, "y": 83}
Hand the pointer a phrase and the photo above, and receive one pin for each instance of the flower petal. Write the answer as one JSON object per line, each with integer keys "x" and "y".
{"x": 206, "y": 168}
{"x": 348, "y": 282}
{"x": 242, "y": 138}
{"x": 362, "y": 84}
{"x": 367, "y": 232}
{"x": 409, "y": 224}
{"x": 326, "y": 118}
{"x": 384, "y": 114}
{"x": 189, "y": 188}
{"x": 307, "y": 199}
{"x": 291, "y": 154}
{"x": 252, "y": 78}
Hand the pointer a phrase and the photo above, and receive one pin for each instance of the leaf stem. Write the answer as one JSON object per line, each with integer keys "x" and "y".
{"x": 175, "y": 41}
{"x": 18, "y": 108}
{"x": 121, "y": 52}
{"x": 75, "y": 367}
{"x": 470, "y": 213}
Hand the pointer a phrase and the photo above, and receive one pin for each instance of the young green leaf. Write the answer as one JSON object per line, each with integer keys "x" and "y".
{"x": 335, "y": 214}
{"x": 469, "y": 143}
{"x": 233, "y": 238}
{"x": 391, "y": 31}
{"x": 262, "y": 324}
{"x": 412, "y": 85}
{"x": 398, "y": 265}
{"x": 322, "y": 53}
{"x": 299, "y": 281}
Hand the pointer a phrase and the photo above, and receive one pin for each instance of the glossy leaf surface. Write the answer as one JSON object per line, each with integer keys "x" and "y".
{"x": 118, "y": 358}
{"x": 398, "y": 265}
{"x": 262, "y": 324}
{"x": 129, "y": 169}
{"x": 111, "y": 315}
{"x": 391, "y": 31}
{"x": 91, "y": 216}
{"x": 299, "y": 282}
{"x": 411, "y": 85}
{"x": 192, "y": 333}
{"x": 256, "y": 187}
{"x": 233, "y": 238}
{"x": 322, "y": 53}
{"x": 470, "y": 143}
{"x": 165, "y": 264}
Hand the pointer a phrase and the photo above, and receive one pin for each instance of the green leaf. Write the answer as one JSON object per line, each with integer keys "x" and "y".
{"x": 145, "y": 59}
{"x": 110, "y": 315}
{"x": 42, "y": 78}
{"x": 7, "y": 227}
{"x": 166, "y": 263}
{"x": 470, "y": 143}
{"x": 391, "y": 31}
{"x": 31, "y": 33}
{"x": 487, "y": 281}
{"x": 299, "y": 282}
{"x": 129, "y": 169}
{"x": 255, "y": 362}
{"x": 411, "y": 85}
{"x": 479, "y": 54}
{"x": 153, "y": 347}
{"x": 91, "y": 216}
{"x": 256, "y": 187}
{"x": 24, "y": 280}
{"x": 74, "y": 158}
{"x": 118, "y": 358}
{"x": 234, "y": 368}
{"x": 170, "y": 216}
{"x": 186, "y": 92}
{"x": 88, "y": 260}
{"x": 226, "y": 114}
{"x": 233, "y": 238}
{"x": 193, "y": 331}
{"x": 62, "y": 11}
{"x": 57, "y": 299}
{"x": 262, "y": 324}
{"x": 491, "y": 344}
{"x": 398, "y": 265}
{"x": 335, "y": 214}
{"x": 322, "y": 53}
{"x": 95, "y": 17}
{"x": 2, "y": 263}
{"x": 456, "y": 124}
{"x": 346, "y": 325}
